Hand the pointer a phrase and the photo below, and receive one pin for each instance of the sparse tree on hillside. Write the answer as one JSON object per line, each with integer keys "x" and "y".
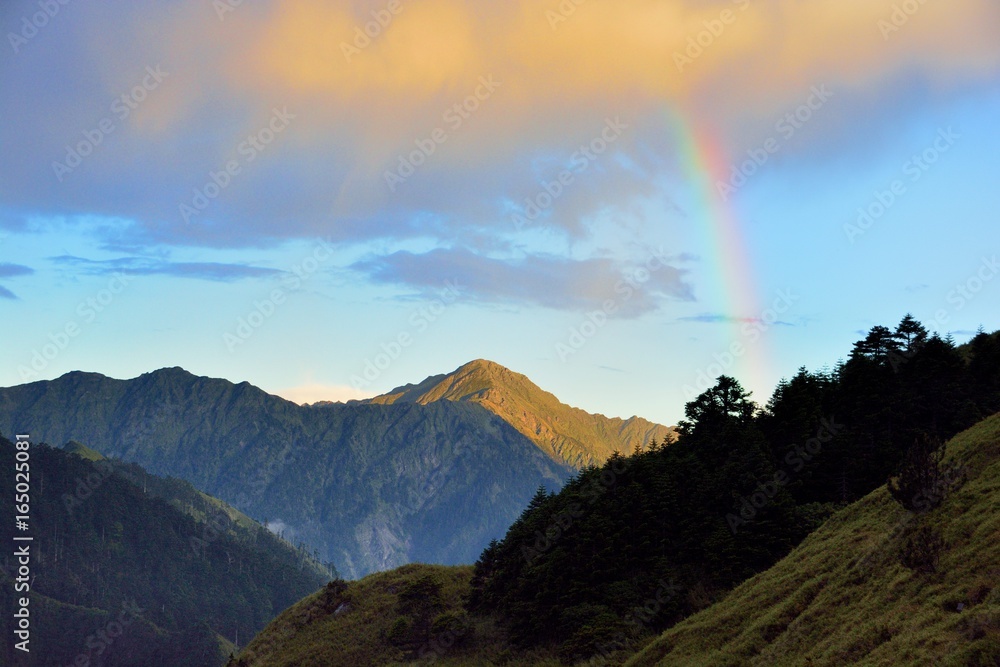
{"x": 920, "y": 485}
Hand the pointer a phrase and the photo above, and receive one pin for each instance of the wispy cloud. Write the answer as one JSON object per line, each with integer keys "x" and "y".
{"x": 8, "y": 270}
{"x": 541, "y": 280}
{"x": 216, "y": 271}
{"x": 316, "y": 392}
{"x": 718, "y": 318}
{"x": 12, "y": 270}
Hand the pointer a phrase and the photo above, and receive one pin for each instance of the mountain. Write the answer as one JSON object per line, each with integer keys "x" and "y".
{"x": 371, "y": 486}
{"x": 567, "y": 434}
{"x": 128, "y": 568}
{"x": 842, "y": 597}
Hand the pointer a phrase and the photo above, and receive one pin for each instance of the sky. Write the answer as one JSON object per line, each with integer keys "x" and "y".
{"x": 621, "y": 200}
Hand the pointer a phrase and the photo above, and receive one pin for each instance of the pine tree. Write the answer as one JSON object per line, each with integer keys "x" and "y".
{"x": 920, "y": 485}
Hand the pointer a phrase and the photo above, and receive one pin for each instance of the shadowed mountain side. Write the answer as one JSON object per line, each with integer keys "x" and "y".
{"x": 132, "y": 569}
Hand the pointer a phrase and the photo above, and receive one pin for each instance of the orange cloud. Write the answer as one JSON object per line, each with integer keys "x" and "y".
{"x": 564, "y": 67}
{"x": 604, "y": 48}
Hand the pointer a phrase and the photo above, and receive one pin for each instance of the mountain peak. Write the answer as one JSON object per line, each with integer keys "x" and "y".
{"x": 482, "y": 364}
{"x": 563, "y": 432}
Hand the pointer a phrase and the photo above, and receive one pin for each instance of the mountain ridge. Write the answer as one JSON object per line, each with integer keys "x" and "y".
{"x": 564, "y": 432}
{"x": 371, "y": 486}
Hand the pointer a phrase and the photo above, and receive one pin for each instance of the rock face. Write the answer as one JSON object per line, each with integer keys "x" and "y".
{"x": 566, "y": 434}
{"x": 370, "y": 486}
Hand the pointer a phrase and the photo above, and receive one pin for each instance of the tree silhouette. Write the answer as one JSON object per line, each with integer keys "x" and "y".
{"x": 920, "y": 485}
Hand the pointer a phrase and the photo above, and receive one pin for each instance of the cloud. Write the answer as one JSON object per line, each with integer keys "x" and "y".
{"x": 12, "y": 270}
{"x": 215, "y": 271}
{"x": 279, "y": 527}
{"x": 355, "y": 117}
{"x": 718, "y": 318}
{"x": 314, "y": 392}
{"x": 542, "y": 280}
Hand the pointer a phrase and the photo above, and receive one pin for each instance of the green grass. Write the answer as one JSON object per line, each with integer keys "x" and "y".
{"x": 843, "y": 598}
{"x": 410, "y": 615}
{"x": 83, "y": 451}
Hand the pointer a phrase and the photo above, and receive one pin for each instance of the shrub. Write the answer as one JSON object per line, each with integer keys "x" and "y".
{"x": 921, "y": 550}
{"x": 920, "y": 485}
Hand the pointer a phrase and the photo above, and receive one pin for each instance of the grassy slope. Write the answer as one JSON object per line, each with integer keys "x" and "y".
{"x": 355, "y": 628}
{"x": 816, "y": 607}
{"x": 565, "y": 433}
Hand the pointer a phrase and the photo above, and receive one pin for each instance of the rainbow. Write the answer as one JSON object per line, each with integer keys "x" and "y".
{"x": 729, "y": 273}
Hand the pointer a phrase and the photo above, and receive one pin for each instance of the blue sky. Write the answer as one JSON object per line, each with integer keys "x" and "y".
{"x": 246, "y": 208}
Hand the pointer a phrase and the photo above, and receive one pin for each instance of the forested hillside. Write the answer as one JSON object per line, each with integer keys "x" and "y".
{"x": 190, "y": 574}
{"x": 670, "y": 530}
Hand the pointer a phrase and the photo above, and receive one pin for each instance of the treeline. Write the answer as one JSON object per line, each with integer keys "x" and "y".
{"x": 631, "y": 547}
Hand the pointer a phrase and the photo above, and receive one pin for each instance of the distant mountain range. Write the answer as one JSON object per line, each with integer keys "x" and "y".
{"x": 372, "y": 485}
